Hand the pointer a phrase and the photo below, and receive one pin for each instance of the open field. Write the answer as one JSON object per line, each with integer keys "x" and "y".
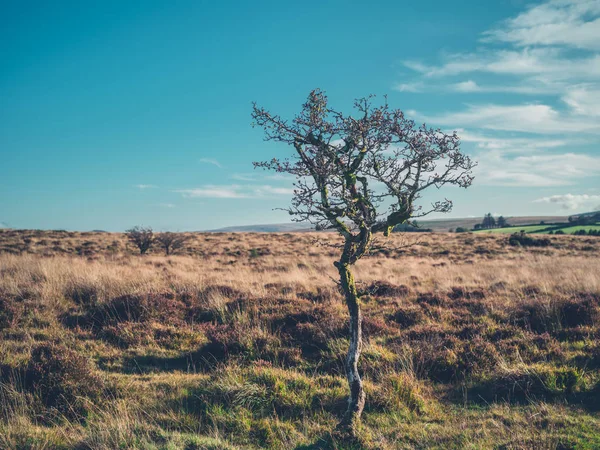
{"x": 514, "y": 229}
{"x": 539, "y": 229}
{"x": 239, "y": 341}
{"x": 439, "y": 225}
{"x": 581, "y": 227}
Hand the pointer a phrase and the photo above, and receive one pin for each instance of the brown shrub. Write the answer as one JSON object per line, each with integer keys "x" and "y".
{"x": 408, "y": 316}
{"x": 460, "y": 292}
{"x": 10, "y": 313}
{"x": 64, "y": 380}
{"x": 384, "y": 289}
{"x": 138, "y": 308}
{"x": 476, "y": 357}
{"x": 554, "y": 314}
{"x": 432, "y": 299}
{"x": 312, "y": 329}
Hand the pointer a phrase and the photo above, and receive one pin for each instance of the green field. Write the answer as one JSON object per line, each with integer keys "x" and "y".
{"x": 540, "y": 229}
{"x": 507, "y": 230}
{"x": 571, "y": 230}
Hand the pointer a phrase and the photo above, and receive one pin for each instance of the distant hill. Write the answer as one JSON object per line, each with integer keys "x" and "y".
{"x": 4, "y": 225}
{"x": 268, "y": 228}
{"x": 439, "y": 225}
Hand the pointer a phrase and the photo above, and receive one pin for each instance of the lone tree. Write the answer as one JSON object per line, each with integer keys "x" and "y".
{"x": 171, "y": 242}
{"x": 361, "y": 175}
{"x": 141, "y": 237}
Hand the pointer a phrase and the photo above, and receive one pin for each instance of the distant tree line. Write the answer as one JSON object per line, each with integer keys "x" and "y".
{"x": 144, "y": 238}
{"x": 489, "y": 222}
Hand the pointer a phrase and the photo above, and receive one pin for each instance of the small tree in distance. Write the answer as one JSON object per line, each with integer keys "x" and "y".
{"x": 360, "y": 176}
{"x": 171, "y": 242}
{"x": 488, "y": 221}
{"x": 141, "y": 237}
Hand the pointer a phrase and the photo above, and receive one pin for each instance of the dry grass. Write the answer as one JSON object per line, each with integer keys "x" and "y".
{"x": 238, "y": 342}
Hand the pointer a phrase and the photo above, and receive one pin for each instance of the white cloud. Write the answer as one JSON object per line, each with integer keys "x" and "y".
{"x": 531, "y": 118}
{"x": 212, "y": 161}
{"x": 572, "y": 201}
{"x": 583, "y": 100}
{"x": 511, "y": 144}
{"x": 543, "y": 67}
{"x": 409, "y": 87}
{"x": 467, "y": 86}
{"x": 243, "y": 176}
{"x": 256, "y": 176}
{"x": 554, "y": 47}
{"x": 538, "y": 170}
{"x": 471, "y": 86}
{"x": 573, "y": 23}
{"x": 166, "y": 205}
{"x": 145, "y": 186}
{"x": 234, "y": 191}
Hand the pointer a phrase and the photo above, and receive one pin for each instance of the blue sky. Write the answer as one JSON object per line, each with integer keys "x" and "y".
{"x": 118, "y": 113}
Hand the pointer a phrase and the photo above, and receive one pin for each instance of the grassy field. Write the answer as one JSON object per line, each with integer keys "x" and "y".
{"x": 570, "y": 230}
{"x": 539, "y": 229}
{"x": 239, "y": 342}
{"x": 510, "y": 230}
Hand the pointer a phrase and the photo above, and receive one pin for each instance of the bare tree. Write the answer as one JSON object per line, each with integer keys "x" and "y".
{"x": 171, "y": 242}
{"x": 141, "y": 237}
{"x": 361, "y": 175}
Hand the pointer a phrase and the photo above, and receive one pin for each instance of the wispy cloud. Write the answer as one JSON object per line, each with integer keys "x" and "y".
{"x": 528, "y": 118}
{"x": 234, "y": 191}
{"x": 544, "y": 65}
{"x": 513, "y": 144}
{"x": 409, "y": 87}
{"x": 244, "y": 176}
{"x": 583, "y": 100}
{"x": 212, "y": 161}
{"x": 573, "y": 23}
{"x": 471, "y": 86}
{"x": 551, "y": 48}
{"x": 572, "y": 201}
{"x": 496, "y": 168}
{"x": 166, "y": 205}
{"x": 146, "y": 186}
{"x": 256, "y": 176}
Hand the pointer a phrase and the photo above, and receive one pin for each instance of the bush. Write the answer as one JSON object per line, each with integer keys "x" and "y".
{"x": 384, "y": 289}
{"x": 10, "y": 313}
{"x": 538, "y": 382}
{"x": 164, "y": 308}
{"x": 408, "y": 316}
{"x": 521, "y": 239}
{"x": 552, "y": 315}
{"x": 64, "y": 380}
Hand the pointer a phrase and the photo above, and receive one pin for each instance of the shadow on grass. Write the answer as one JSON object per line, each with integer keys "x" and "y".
{"x": 527, "y": 388}
{"x": 329, "y": 441}
{"x": 142, "y": 364}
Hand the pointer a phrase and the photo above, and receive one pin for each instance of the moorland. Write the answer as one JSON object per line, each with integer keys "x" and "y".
{"x": 239, "y": 340}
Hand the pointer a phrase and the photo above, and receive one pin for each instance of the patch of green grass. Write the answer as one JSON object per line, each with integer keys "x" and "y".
{"x": 571, "y": 230}
{"x": 539, "y": 229}
{"x": 517, "y": 229}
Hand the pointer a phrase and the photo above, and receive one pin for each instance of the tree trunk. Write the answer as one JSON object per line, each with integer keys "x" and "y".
{"x": 356, "y": 400}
